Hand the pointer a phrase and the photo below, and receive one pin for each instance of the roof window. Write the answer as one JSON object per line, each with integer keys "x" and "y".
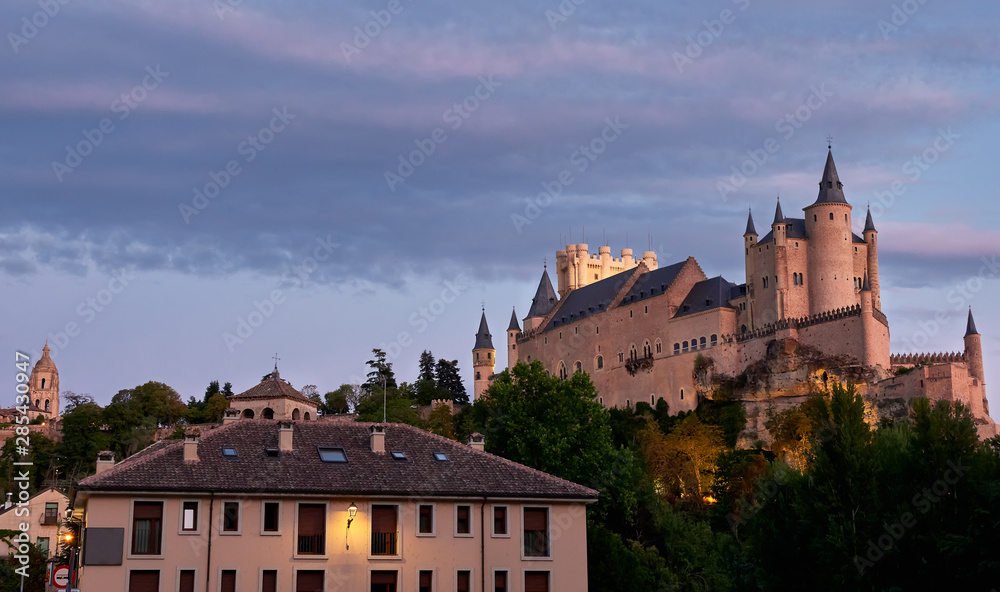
{"x": 399, "y": 455}
{"x": 228, "y": 451}
{"x": 441, "y": 457}
{"x": 330, "y": 454}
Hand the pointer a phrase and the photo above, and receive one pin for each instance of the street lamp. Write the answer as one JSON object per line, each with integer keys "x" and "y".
{"x": 352, "y": 511}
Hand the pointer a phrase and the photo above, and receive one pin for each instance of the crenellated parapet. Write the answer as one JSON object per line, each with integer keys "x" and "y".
{"x": 798, "y": 323}
{"x": 926, "y": 358}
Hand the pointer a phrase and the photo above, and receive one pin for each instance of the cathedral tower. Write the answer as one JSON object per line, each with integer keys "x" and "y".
{"x": 43, "y": 386}
{"x": 483, "y": 358}
{"x": 830, "y": 245}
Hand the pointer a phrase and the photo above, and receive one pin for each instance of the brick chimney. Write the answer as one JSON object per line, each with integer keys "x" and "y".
{"x": 230, "y": 415}
{"x": 191, "y": 448}
{"x": 477, "y": 441}
{"x": 377, "y": 438}
{"x": 105, "y": 460}
{"x": 285, "y": 436}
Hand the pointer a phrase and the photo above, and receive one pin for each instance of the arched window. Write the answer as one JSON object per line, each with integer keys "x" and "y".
{"x": 562, "y": 370}
{"x": 677, "y": 348}
{"x": 632, "y": 354}
{"x": 305, "y": 416}
{"x": 295, "y": 414}
{"x": 714, "y": 340}
{"x": 743, "y": 329}
{"x": 267, "y": 413}
{"x": 600, "y": 362}
{"x": 652, "y": 401}
{"x": 248, "y": 413}
{"x": 579, "y": 367}
{"x": 46, "y": 403}
{"x": 477, "y": 376}
{"x": 659, "y": 347}
{"x": 685, "y": 347}
{"x": 38, "y": 402}
{"x": 701, "y": 342}
{"x": 831, "y": 215}
{"x": 43, "y": 383}
{"x": 621, "y": 357}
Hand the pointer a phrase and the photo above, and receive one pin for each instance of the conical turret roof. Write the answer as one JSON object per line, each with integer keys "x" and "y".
{"x": 750, "y": 228}
{"x": 483, "y": 338}
{"x": 869, "y": 223}
{"x": 778, "y": 216}
{"x": 865, "y": 286}
{"x": 514, "y": 325}
{"x": 970, "y": 327}
{"x": 831, "y": 190}
{"x": 545, "y": 298}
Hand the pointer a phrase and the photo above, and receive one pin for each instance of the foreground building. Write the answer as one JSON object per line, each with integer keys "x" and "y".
{"x": 812, "y": 290}
{"x": 323, "y": 506}
{"x": 44, "y": 517}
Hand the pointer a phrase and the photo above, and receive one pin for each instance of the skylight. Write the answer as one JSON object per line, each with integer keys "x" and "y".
{"x": 399, "y": 455}
{"x": 332, "y": 455}
{"x": 441, "y": 457}
{"x": 228, "y": 451}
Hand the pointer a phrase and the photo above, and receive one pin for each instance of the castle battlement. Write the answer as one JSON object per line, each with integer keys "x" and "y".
{"x": 926, "y": 358}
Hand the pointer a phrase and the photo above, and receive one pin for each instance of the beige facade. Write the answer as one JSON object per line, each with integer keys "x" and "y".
{"x": 41, "y": 517}
{"x": 810, "y": 279}
{"x": 43, "y": 388}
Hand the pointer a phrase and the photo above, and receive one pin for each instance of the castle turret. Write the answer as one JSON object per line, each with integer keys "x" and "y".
{"x": 542, "y": 304}
{"x": 875, "y": 335}
{"x": 829, "y": 249}
{"x": 483, "y": 358}
{"x": 974, "y": 350}
{"x": 778, "y": 227}
{"x": 627, "y": 258}
{"x": 749, "y": 244}
{"x": 512, "y": 330}
{"x": 43, "y": 386}
{"x": 871, "y": 240}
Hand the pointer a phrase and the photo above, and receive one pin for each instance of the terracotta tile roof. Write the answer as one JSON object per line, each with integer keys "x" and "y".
{"x": 468, "y": 472}
{"x": 272, "y": 387}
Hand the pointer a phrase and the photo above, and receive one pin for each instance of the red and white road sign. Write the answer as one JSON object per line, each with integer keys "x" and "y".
{"x": 60, "y": 577}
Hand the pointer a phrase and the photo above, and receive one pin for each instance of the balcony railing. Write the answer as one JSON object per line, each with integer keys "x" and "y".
{"x": 311, "y": 544}
{"x": 536, "y": 543}
{"x": 48, "y": 519}
{"x": 384, "y": 543}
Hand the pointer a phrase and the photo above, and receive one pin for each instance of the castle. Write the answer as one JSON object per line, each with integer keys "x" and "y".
{"x": 812, "y": 285}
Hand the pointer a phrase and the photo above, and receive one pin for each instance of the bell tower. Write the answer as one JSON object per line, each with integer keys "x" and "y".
{"x": 43, "y": 386}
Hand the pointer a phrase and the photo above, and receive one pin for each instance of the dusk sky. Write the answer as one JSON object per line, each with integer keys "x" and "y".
{"x": 367, "y": 174}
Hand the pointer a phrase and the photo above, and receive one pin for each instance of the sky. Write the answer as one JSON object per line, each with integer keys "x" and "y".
{"x": 193, "y": 187}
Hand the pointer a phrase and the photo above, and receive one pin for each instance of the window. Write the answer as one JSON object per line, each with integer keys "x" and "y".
{"x": 714, "y": 340}
{"x": 701, "y": 343}
{"x": 43, "y": 545}
{"x": 228, "y": 451}
{"x": 384, "y": 581}
{"x": 600, "y": 362}
{"x": 186, "y": 581}
{"x": 231, "y": 517}
{"x": 425, "y": 580}
{"x": 463, "y": 581}
{"x": 478, "y": 377}
{"x": 189, "y": 517}
{"x": 399, "y": 455}
{"x": 814, "y": 217}
{"x": 685, "y": 347}
{"x": 425, "y": 519}
{"x": 536, "y": 532}
{"x": 312, "y": 529}
{"x": 309, "y": 580}
{"x": 330, "y": 454}
{"x": 677, "y": 348}
{"x": 500, "y": 581}
{"x": 659, "y": 347}
{"x": 268, "y": 581}
{"x": 271, "y": 513}
{"x": 500, "y": 521}
{"x": 579, "y": 367}
{"x": 43, "y": 383}
{"x": 621, "y": 357}
{"x": 51, "y": 513}
{"x": 831, "y": 215}
{"x": 440, "y": 457}
{"x": 144, "y": 580}
{"x": 147, "y": 522}
{"x": 463, "y": 520}
{"x": 536, "y": 581}
{"x": 384, "y": 530}
{"x": 227, "y": 583}
{"x": 682, "y": 394}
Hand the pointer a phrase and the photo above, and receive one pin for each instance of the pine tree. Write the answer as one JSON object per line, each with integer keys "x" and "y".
{"x": 448, "y": 380}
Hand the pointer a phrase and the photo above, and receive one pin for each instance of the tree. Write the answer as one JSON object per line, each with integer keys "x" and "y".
{"x": 685, "y": 459}
{"x": 82, "y": 436}
{"x": 426, "y": 364}
{"x": 441, "y": 421}
{"x": 449, "y": 381}
{"x": 227, "y": 390}
{"x": 216, "y": 407}
{"x": 342, "y": 400}
{"x": 41, "y": 455}
{"x": 381, "y": 376}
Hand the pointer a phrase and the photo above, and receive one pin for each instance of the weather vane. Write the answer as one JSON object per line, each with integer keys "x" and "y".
{"x": 829, "y": 142}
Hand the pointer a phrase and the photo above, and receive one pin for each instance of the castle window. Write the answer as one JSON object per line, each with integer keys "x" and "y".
{"x": 682, "y": 394}
{"x": 647, "y": 310}
{"x": 855, "y": 250}
{"x": 489, "y": 355}
{"x": 652, "y": 401}
{"x": 579, "y": 367}
{"x": 714, "y": 340}
{"x": 796, "y": 243}
{"x": 600, "y": 400}
{"x": 677, "y": 348}
{"x": 477, "y": 355}
{"x": 659, "y": 347}
{"x": 46, "y": 405}
{"x": 600, "y": 362}
{"x": 621, "y": 357}
{"x": 845, "y": 217}
{"x": 748, "y": 251}
{"x": 628, "y": 402}
{"x": 576, "y": 330}
{"x": 743, "y": 329}
{"x": 701, "y": 342}
{"x": 597, "y": 330}
{"x": 814, "y": 218}
{"x": 831, "y": 215}
{"x": 685, "y": 347}
{"x": 477, "y": 376}
{"x": 630, "y": 314}
{"x": 595, "y": 276}
{"x": 560, "y": 335}
{"x": 632, "y": 354}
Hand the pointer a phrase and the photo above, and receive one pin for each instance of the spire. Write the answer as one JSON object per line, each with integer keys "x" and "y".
{"x": 831, "y": 190}
{"x": 513, "y": 326}
{"x": 869, "y": 223}
{"x": 45, "y": 350}
{"x": 778, "y": 216}
{"x": 483, "y": 338}
{"x": 865, "y": 286}
{"x": 970, "y": 328}
{"x": 750, "y": 228}
{"x": 545, "y": 298}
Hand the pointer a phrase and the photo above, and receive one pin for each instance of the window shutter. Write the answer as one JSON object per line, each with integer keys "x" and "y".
{"x": 148, "y": 510}
{"x": 187, "y": 581}
{"x": 384, "y": 519}
{"x": 228, "y": 580}
{"x": 536, "y": 581}
{"x": 269, "y": 581}
{"x": 384, "y": 577}
{"x": 535, "y": 519}
{"x": 500, "y": 581}
{"x": 312, "y": 519}
{"x": 144, "y": 581}
{"x": 425, "y": 579}
{"x": 463, "y": 581}
{"x": 309, "y": 581}
{"x": 500, "y": 520}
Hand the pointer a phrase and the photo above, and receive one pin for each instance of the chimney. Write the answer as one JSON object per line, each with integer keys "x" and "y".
{"x": 105, "y": 460}
{"x": 377, "y": 438}
{"x": 285, "y": 436}
{"x": 477, "y": 441}
{"x": 230, "y": 415}
{"x": 191, "y": 448}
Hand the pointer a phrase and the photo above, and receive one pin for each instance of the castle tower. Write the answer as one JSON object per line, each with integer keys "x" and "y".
{"x": 974, "y": 350}
{"x": 512, "y": 330}
{"x": 749, "y": 243}
{"x": 483, "y": 358}
{"x": 43, "y": 386}
{"x": 871, "y": 239}
{"x": 543, "y": 302}
{"x": 829, "y": 249}
{"x": 778, "y": 228}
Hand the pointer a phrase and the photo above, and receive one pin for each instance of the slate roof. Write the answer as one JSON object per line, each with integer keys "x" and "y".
{"x": 778, "y": 216}
{"x": 796, "y": 229}
{"x": 970, "y": 327}
{"x": 653, "y": 283}
{"x": 469, "y": 472}
{"x": 483, "y": 338}
{"x": 750, "y": 229}
{"x": 272, "y": 387}
{"x": 513, "y": 326}
{"x": 707, "y": 295}
{"x": 545, "y": 298}
{"x": 869, "y": 223}
{"x": 830, "y": 188}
